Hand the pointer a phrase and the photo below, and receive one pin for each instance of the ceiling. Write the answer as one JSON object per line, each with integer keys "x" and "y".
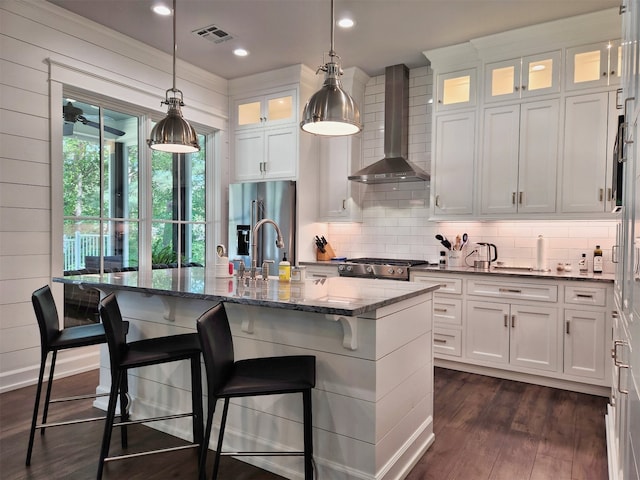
{"x": 278, "y": 33}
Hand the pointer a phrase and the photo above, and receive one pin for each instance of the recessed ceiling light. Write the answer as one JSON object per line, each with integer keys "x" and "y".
{"x": 161, "y": 10}
{"x": 346, "y": 22}
{"x": 240, "y": 52}
{"x": 537, "y": 68}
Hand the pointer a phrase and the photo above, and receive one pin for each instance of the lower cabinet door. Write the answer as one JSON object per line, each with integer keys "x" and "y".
{"x": 534, "y": 337}
{"x": 584, "y": 343}
{"x": 487, "y": 332}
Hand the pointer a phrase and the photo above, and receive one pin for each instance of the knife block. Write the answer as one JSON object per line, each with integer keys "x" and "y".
{"x": 327, "y": 255}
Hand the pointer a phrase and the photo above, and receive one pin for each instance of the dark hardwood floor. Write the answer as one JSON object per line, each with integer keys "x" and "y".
{"x": 485, "y": 428}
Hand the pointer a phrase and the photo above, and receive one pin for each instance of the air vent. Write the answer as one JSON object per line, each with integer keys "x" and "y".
{"x": 213, "y": 33}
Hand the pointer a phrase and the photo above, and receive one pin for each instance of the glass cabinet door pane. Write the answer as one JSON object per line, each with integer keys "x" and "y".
{"x": 249, "y": 113}
{"x": 456, "y": 90}
{"x": 587, "y": 67}
{"x": 540, "y": 74}
{"x": 280, "y": 108}
{"x": 502, "y": 81}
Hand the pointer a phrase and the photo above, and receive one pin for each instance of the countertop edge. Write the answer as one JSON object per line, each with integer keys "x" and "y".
{"x": 92, "y": 281}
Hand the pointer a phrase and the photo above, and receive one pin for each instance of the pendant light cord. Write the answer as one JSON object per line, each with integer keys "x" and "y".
{"x": 332, "y": 52}
{"x": 175, "y": 46}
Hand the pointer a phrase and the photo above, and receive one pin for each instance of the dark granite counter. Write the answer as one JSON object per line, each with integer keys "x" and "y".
{"x": 522, "y": 273}
{"x": 337, "y": 296}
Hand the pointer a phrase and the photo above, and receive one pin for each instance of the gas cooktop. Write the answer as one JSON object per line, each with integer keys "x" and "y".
{"x": 389, "y": 268}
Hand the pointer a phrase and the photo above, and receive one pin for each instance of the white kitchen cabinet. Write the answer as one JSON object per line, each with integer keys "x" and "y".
{"x": 520, "y": 335}
{"x": 266, "y": 154}
{"x": 522, "y": 77}
{"x": 447, "y": 313}
{"x": 519, "y": 158}
{"x": 456, "y": 90}
{"x": 266, "y": 110}
{"x": 591, "y": 122}
{"x": 584, "y": 343}
{"x": 266, "y": 136}
{"x": 318, "y": 270}
{"x": 454, "y": 163}
{"x": 340, "y": 198}
{"x": 594, "y": 65}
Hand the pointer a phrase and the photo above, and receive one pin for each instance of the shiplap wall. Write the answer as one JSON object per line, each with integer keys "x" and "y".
{"x": 33, "y": 36}
{"x": 395, "y": 216}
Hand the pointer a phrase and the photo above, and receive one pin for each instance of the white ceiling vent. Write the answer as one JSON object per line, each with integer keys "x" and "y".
{"x": 213, "y": 33}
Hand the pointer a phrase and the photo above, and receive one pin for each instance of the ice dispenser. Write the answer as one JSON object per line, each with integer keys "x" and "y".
{"x": 243, "y": 233}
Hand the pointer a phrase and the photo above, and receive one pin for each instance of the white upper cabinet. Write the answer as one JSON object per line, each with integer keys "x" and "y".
{"x": 594, "y": 65}
{"x": 339, "y": 197}
{"x": 266, "y": 136}
{"x": 591, "y": 122}
{"x": 453, "y": 179}
{"x": 519, "y": 158}
{"x": 522, "y": 77}
{"x": 273, "y": 109}
{"x": 456, "y": 90}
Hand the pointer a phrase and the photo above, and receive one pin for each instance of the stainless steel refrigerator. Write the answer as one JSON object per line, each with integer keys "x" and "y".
{"x": 250, "y": 203}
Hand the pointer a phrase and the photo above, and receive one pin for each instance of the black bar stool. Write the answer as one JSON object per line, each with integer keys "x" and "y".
{"x": 151, "y": 351}
{"x": 52, "y": 339}
{"x": 227, "y": 379}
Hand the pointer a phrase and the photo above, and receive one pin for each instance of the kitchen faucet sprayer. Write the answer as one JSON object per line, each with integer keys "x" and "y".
{"x": 254, "y": 245}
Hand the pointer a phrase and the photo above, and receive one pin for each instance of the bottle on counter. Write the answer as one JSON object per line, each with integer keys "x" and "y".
{"x": 284, "y": 269}
{"x": 582, "y": 264}
{"x": 443, "y": 259}
{"x": 597, "y": 260}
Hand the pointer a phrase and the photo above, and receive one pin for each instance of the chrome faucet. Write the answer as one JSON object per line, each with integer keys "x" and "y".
{"x": 254, "y": 245}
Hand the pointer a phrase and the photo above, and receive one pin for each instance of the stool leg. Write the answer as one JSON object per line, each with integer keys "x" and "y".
{"x": 124, "y": 408}
{"x": 34, "y": 420}
{"x": 202, "y": 469}
{"x": 116, "y": 379}
{"x": 308, "y": 435}
{"x": 223, "y": 422}
{"x": 196, "y": 401}
{"x": 49, "y": 385}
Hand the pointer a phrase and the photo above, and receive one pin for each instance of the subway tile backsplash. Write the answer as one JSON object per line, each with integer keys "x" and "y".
{"x": 395, "y": 216}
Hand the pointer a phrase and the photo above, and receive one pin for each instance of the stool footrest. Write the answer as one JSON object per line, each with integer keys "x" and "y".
{"x": 69, "y": 422}
{"x": 261, "y": 454}
{"x": 151, "y": 452}
{"x": 154, "y": 419}
{"x": 78, "y": 397}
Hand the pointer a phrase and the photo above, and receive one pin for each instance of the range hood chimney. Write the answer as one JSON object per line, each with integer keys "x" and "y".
{"x": 394, "y": 167}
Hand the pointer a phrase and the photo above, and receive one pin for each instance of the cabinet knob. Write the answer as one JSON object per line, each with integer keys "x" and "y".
{"x": 524, "y": 87}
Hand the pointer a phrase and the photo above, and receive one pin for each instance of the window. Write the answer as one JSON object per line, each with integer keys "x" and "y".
{"x": 178, "y": 205}
{"x": 104, "y": 153}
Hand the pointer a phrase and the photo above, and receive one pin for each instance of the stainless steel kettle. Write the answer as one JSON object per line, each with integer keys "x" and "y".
{"x": 485, "y": 264}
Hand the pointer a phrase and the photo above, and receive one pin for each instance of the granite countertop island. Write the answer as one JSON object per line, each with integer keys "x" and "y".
{"x": 337, "y": 295}
{"x": 372, "y": 339}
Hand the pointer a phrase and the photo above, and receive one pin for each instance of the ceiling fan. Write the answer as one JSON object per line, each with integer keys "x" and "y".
{"x": 74, "y": 114}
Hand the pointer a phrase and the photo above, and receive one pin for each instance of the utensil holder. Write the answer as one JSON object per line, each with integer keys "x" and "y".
{"x": 455, "y": 258}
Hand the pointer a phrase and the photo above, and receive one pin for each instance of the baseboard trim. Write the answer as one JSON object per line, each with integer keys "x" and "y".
{"x": 68, "y": 363}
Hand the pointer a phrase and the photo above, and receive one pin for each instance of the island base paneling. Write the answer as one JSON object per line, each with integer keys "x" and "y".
{"x": 373, "y": 401}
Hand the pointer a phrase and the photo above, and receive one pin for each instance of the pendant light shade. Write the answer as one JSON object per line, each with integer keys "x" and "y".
{"x": 173, "y": 133}
{"x": 331, "y": 111}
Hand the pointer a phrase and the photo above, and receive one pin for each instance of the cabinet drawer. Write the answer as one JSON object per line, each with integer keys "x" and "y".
{"x": 585, "y": 295}
{"x": 447, "y": 341}
{"x": 523, "y": 291}
{"x": 447, "y": 310}
{"x": 447, "y": 285}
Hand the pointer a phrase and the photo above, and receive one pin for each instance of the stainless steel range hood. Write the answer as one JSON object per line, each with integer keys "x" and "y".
{"x": 394, "y": 167}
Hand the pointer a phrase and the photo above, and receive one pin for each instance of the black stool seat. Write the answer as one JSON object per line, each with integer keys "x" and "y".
{"x": 153, "y": 351}
{"x": 52, "y": 339}
{"x": 227, "y": 378}
{"x": 269, "y": 376}
{"x": 80, "y": 336}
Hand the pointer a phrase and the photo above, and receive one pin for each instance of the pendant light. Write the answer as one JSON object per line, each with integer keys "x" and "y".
{"x": 331, "y": 111}
{"x": 173, "y": 133}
